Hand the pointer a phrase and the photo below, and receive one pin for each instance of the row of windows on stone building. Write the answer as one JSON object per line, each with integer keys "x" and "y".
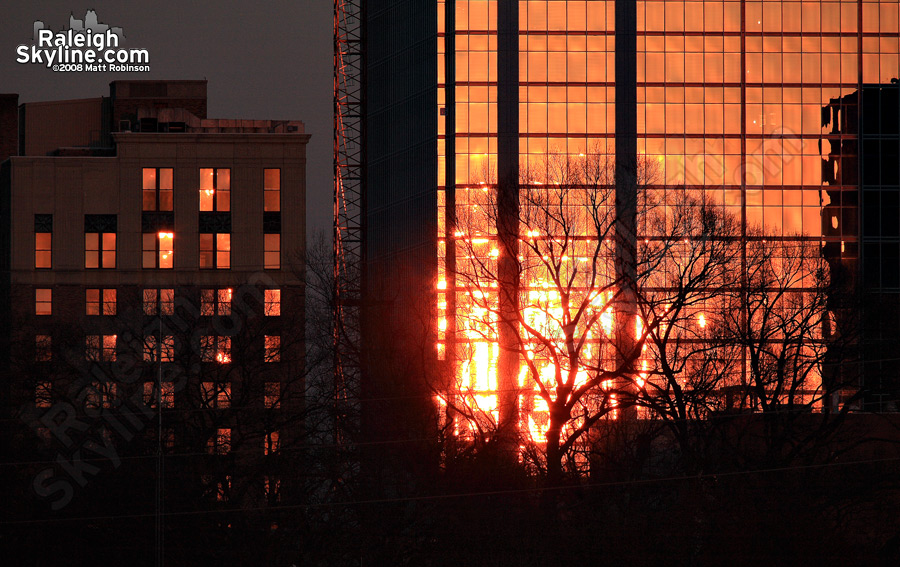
{"x": 218, "y": 487}
{"x": 105, "y": 348}
{"x": 158, "y": 235}
{"x": 103, "y": 301}
{"x": 215, "y": 189}
{"x": 213, "y": 395}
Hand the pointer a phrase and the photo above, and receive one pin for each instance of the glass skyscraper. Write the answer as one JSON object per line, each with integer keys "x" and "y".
{"x": 754, "y": 105}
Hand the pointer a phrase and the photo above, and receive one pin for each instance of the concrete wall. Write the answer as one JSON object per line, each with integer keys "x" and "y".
{"x": 58, "y": 124}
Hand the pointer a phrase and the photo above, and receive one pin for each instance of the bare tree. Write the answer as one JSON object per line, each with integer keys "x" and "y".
{"x": 725, "y": 319}
{"x": 696, "y": 281}
{"x": 738, "y": 324}
{"x": 572, "y": 364}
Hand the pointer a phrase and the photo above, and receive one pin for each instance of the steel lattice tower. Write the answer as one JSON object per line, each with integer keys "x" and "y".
{"x": 349, "y": 203}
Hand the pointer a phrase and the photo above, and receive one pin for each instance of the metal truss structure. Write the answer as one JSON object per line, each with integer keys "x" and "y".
{"x": 349, "y": 206}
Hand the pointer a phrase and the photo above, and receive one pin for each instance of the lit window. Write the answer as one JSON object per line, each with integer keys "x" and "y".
{"x": 92, "y": 347}
{"x": 216, "y": 395}
{"x": 42, "y": 249}
{"x": 223, "y": 489}
{"x": 217, "y": 489}
{"x": 272, "y": 186}
{"x": 100, "y": 301}
{"x": 273, "y": 489}
{"x": 273, "y": 395}
{"x": 43, "y": 301}
{"x": 158, "y": 250}
{"x": 215, "y": 189}
{"x": 273, "y": 348}
{"x": 214, "y": 348}
{"x": 272, "y": 251}
{"x": 159, "y": 301}
{"x": 100, "y": 348}
{"x": 220, "y": 443}
{"x": 92, "y": 302}
{"x": 43, "y": 348}
{"x": 100, "y": 241}
{"x": 273, "y": 302}
{"x": 207, "y": 302}
{"x": 100, "y": 395}
{"x": 43, "y": 240}
{"x": 215, "y": 302}
{"x": 154, "y": 351}
{"x": 271, "y": 442}
{"x": 109, "y": 347}
{"x": 168, "y": 437}
{"x": 100, "y": 250}
{"x": 43, "y": 394}
{"x": 150, "y": 301}
{"x": 157, "y": 188}
{"x": 223, "y": 305}
{"x": 215, "y": 251}
{"x": 153, "y": 398}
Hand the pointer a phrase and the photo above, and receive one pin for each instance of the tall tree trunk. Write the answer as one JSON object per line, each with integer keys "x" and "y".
{"x": 554, "y": 454}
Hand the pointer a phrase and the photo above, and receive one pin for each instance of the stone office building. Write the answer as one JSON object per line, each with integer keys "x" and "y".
{"x": 153, "y": 298}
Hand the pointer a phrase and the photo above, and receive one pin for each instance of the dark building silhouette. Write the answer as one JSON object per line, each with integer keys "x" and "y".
{"x": 862, "y": 176}
{"x": 9, "y": 108}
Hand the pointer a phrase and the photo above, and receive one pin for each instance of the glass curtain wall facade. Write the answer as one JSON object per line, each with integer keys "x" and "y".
{"x": 564, "y": 95}
{"x": 731, "y": 101}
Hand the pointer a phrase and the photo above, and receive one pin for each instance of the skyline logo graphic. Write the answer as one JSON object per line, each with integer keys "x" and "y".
{"x": 87, "y": 45}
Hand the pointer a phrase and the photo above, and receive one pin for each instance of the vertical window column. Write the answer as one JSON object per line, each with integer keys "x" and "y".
{"x": 215, "y": 302}
{"x": 158, "y": 250}
{"x": 100, "y": 301}
{"x": 100, "y": 241}
{"x": 215, "y": 190}
{"x": 159, "y": 301}
{"x": 43, "y": 241}
{"x": 272, "y": 190}
{"x": 272, "y": 253}
{"x": 215, "y": 218}
{"x": 43, "y": 301}
{"x": 215, "y": 251}
{"x": 156, "y": 350}
{"x": 272, "y": 220}
{"x": 272, "y": 307}
{"x": 158, "y": 220}
{"x": 100, "y": 348}
{"x": 43, "y": 348}
{"x": 158, "y": 188}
